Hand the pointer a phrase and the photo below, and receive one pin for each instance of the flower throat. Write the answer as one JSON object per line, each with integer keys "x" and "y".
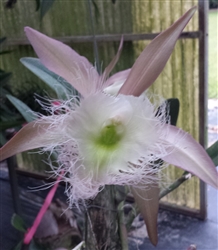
{"x": 111, "y": 134}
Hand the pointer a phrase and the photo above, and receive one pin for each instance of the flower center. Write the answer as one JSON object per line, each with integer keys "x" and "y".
{"x": 111, "y": 132}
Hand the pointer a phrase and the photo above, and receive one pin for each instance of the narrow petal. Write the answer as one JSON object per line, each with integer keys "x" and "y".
{"x": 31, "y": 136}
{"x": 111, "y": 65}
{"x": 147, "y": 200}
{"x": 64, "y": 61}
{"x": 152, "y": 60}
{"x": 189, "y": 155}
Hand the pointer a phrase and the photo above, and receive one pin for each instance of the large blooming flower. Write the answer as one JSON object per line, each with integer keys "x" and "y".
{"x": 105, "y": 139}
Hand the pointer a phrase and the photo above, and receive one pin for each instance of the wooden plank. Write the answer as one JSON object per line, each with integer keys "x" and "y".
{"x": 103, "y": 38}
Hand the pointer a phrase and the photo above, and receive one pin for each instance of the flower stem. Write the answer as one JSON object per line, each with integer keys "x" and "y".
{"x": 102, "y": 222}
{"x": 185, "y": 176}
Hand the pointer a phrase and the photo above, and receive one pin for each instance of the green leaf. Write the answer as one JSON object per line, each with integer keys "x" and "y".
{"x": 6, "y": 109}
{"x": 173, "y": 104}
{"x": 55, "y": 82}
{"x": 9, "y": 124}
{"x": 213, "y": 153}
{"x": 45, "y": 6}
{"x": 18, "y": 223}
{"x": 3, "y": 140}
{"x": 37, "y": 5}
{"x": 4, "y": 77}
{"x": 172, "y": 109}
{"x": 18, "y": 246}
{"x": 25, "y": 111}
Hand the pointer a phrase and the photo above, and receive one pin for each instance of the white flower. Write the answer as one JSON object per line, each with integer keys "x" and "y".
{"x": 108, "y": 140}
{"x": 105, "y": 139}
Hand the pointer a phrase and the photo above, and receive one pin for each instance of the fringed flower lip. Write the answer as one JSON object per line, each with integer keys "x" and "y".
{"x": 112, "y": 139}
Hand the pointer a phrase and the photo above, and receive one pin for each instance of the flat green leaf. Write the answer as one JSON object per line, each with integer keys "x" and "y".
{"x": 4, "y": 77}
{"x": 18, "y": 223}
{"x": 25, "y": 111}
{"x": 55, "y": 82}
{"x": 18, "y": 246}
{"x": 213, "y": 153}
{"x": 45, "y": 6}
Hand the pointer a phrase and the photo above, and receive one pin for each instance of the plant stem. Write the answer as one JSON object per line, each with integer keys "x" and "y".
{"x": 185, "y": 176}
{"x": 102, "y": 222}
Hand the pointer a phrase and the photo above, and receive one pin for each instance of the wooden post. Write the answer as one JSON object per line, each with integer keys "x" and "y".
{"x": 203, "y": 83}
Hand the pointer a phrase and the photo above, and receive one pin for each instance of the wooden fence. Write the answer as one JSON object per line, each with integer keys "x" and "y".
{"x": 139, "y": 21}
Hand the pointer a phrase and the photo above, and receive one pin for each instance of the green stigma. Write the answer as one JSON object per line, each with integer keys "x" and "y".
{"x": 110, "y": 135}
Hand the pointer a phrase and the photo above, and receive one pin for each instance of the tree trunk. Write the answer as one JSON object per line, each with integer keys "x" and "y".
{"x": 102, "y": 227}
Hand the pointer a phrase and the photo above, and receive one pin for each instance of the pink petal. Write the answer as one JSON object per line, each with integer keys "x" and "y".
{"x": 189, "y": 155}
{"x": 64, "y": 61}
{"x": 147, "y": 200}
{"x": 152, "y": 60}
{"x": 31, "y": 136}
{"x": 118, "y": 77}
{"x": 30, "y": 233}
